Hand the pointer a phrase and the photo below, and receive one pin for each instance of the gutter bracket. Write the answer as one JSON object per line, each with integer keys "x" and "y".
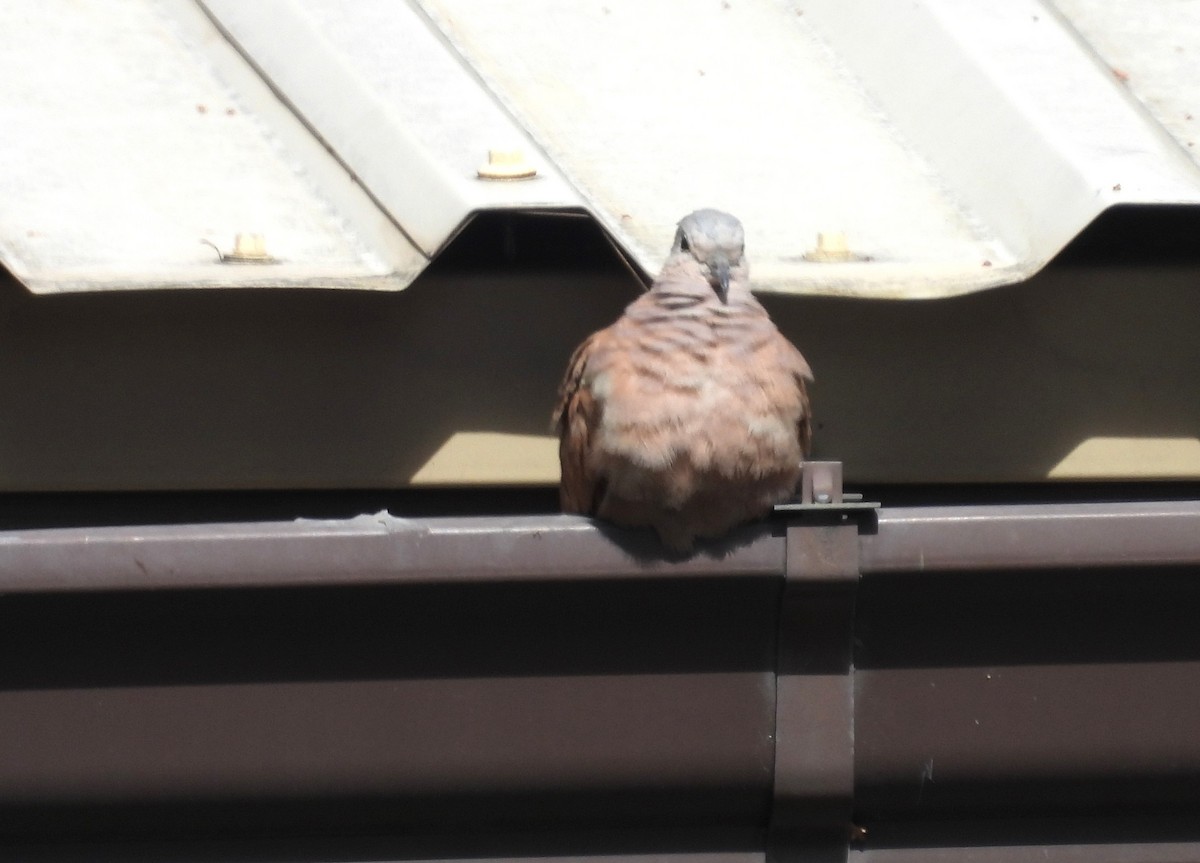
{"x": 812, "y": 807}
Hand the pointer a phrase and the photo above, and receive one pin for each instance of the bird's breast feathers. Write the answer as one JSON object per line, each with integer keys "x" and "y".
{"x": 705, "y": 412}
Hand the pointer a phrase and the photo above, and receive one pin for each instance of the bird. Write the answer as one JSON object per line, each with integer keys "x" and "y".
{"x": 690, "y": 414}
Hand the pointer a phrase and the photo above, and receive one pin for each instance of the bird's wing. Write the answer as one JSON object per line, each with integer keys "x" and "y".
{"x": 804, "y": 426}
{"x": 575, "y": 416}
{"x": 803, "y": 376}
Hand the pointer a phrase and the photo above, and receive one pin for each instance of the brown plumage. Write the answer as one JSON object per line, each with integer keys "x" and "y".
{"x": 690, "y": 414}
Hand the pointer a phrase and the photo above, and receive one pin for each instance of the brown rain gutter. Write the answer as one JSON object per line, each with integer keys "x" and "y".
{"x": 382, "y": 549}
{"x": 821, "y": 684}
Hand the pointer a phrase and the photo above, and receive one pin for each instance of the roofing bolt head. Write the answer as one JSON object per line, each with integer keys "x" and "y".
{"x": 506, "y": 165}
{"x": 249, "y": 249}
{"x": 831, "y": 247}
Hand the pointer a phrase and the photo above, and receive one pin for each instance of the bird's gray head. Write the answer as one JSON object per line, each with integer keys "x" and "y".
{"x": 716, "y": 241}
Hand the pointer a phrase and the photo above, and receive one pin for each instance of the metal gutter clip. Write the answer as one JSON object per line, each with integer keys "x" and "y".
{"x": 821, "y": 491}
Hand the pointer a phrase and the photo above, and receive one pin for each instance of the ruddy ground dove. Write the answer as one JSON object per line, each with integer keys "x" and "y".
{"x": 690, "y": 414}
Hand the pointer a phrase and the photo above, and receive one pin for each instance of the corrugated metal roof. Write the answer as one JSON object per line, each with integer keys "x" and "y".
{"x": 134, "y": 134}
{"x": 956, "y": 145}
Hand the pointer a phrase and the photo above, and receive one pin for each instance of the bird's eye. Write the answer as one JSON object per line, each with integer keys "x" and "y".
{"x": 684, "y": 245}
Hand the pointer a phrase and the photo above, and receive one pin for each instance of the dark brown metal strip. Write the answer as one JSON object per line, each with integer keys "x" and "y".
{"x": 814, "y": 755}
{"x": 1044, "y": 536}
{"x": 382, "y": 549}
{"x": 369, "y": 549}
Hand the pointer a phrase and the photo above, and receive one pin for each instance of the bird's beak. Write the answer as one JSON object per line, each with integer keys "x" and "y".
{"x": 722, "y": 285}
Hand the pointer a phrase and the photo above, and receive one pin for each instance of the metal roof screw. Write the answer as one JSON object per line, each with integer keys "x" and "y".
{"x": 506, "y": 165}
{"x": 247, "y": 249}
{"x": 831, "y": 248}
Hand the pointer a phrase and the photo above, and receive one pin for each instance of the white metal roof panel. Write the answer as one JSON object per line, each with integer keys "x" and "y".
{"x": 133, "y": 136}
{"x": 1154, "y": 50}
{"x": 956, "y": 144}
{"x": 377, "y": 84}
{"x": 654, "y": 109}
